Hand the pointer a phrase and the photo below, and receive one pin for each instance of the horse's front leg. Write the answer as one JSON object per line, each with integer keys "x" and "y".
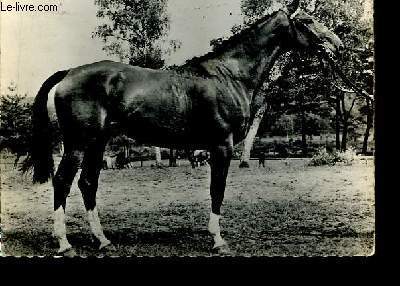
{"x": 221, "y": 156}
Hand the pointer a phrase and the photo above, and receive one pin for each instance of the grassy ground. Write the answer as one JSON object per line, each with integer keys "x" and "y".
{"x": 285, "y": 209}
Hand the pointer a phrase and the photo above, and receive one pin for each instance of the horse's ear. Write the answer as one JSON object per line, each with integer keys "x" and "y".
{"x": 292, "y": 7}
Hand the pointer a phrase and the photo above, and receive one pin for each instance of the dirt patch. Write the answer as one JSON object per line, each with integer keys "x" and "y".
{"x": 285, "y": 209}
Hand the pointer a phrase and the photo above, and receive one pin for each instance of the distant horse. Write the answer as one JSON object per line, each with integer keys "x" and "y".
{"x": 199, "y": 158}
{"x": 204, "y": 104}
{"x": 109, "y": 162}
{"x": 116, "y": 161}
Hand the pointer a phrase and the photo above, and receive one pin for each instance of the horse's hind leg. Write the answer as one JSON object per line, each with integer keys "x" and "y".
{"x": 88, "y": 183}
{"x": 62, "y": 185}
{"x": 219, "y": 162}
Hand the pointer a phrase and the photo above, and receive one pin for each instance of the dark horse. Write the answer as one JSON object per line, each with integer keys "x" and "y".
{"x": 204, "y": 104}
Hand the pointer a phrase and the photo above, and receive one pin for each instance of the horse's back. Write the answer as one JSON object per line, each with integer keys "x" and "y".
{"x": 90, "y": 78}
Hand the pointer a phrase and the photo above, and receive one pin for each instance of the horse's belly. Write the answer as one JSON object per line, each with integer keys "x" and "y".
{"x": 173, "y": 129}
{"x": 172, "y": 126}
{"x": 153, "y": 126}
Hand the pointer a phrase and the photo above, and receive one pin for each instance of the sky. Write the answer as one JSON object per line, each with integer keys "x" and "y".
{"x": 34, "y": 45}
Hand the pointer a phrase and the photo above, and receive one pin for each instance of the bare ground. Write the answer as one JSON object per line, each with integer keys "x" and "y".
{"x": 285, "y": 209}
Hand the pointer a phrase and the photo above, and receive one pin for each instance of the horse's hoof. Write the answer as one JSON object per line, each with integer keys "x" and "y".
{"x": 108, "y": 246}
{"x": 65, "y": 247}
{"x": 108, "y": 250}
{"x": 69, "y": 253}
{"x": 222, "y": 250}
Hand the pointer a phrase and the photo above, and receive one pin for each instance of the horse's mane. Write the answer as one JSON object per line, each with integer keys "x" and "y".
{"x": 234, "y": 40}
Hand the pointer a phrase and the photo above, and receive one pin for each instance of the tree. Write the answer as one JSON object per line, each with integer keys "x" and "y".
{"x": 360, "y": 98}
{"x": 367, "y": 109}
{"x": 172, "y": 158}
{"x": 251, "y": 135}
{"x": 351, "y": 22}
{"x": 157, "y": 151}
{"x": 15, "y": 122}
{"x": 306, "y": 95}
{"x": 135, "y": 31}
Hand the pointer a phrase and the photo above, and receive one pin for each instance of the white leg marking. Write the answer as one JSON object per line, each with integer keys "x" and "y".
{"x": 97, "y": 230}
{"x": 60, "y": 231}
{"x": 214, "y": 229}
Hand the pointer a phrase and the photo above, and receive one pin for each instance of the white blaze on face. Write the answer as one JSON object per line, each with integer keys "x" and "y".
{"x": 215, "y": 230}
{"x": 95, "y": 226}
{"x": 60, "y": 231}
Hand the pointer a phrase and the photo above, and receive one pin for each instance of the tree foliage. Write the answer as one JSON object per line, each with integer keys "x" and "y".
{"x": 15, "y": 121}
{"x": 135, "y": 30}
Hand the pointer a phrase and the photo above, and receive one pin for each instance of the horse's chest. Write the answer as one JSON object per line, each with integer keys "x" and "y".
{"x": 233, "y": 101}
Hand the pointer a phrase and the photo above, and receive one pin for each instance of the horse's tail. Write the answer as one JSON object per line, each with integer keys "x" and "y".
{"x": 40, "y": 155}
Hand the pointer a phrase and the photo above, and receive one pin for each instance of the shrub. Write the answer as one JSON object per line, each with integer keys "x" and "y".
{"x": 323, "y": 157}
{"x": 348, "y": 157}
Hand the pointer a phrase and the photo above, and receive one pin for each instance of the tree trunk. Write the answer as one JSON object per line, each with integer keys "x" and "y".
{"x": 251, "y": 135}
{"x": 61, "y": 148}
{"x": 157, "y": 150}
{"x": 346, "y": 118}
{"x": 368, "y": 128}
{"x": 337, "y": 123}
{"x": 126, "y": 152}
{"x": 344, "y": 137}
{"x": 172, "y": 158}
{"x": 303, "y": 134}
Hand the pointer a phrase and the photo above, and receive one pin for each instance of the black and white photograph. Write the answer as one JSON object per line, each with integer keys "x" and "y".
{"x": 187, "y": 128}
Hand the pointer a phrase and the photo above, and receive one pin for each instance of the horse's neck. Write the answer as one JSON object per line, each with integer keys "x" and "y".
{"x": 247, "y": 61}
{"x": 248, "y": 70}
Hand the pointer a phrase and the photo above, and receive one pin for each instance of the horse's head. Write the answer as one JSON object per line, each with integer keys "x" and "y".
{"x": 299, "y": 29}
{"x": 307, "y": 32}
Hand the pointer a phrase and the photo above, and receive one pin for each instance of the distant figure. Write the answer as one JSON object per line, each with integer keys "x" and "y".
{"x": 120, "y": 160}
{"x": 261, "y": 160}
